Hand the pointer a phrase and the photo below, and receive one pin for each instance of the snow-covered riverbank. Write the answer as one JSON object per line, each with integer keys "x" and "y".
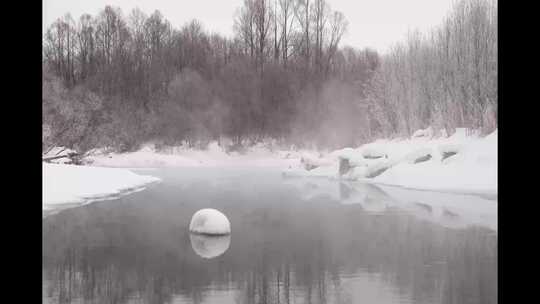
{"x": 462, "y": 162}
{"x": 459, "y": 163}
{"x": 212, "y": 156}
{"x": 465, "y": 163}
{"x": 70, "y": 184}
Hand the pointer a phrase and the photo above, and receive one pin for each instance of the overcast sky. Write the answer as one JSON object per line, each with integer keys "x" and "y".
{"x": 372, "y": 23}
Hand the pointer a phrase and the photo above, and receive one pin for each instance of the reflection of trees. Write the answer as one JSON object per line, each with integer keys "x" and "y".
{"x": 108, "y": 253}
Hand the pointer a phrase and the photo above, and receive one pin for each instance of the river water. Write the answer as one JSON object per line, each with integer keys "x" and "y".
{"x": 292, "y": 241}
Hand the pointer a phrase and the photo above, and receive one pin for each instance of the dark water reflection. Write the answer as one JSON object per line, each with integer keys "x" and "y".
{"x": 290, "y": 243}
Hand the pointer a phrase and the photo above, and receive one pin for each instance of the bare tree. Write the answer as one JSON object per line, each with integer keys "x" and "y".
{"x": 282, "y": 75}
{"x": 320, "y": 12}
{"x": 244, "y": 25}
{"x": 338, "y": 26}
{"x": 263, "y": 17}
{"x": 286, "y": 11}
{"x": 302, "y": 10}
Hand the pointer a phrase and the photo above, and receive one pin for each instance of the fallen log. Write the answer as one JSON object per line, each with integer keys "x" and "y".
{"x": 75, "y": 158}
{"x": 48, "y": 159}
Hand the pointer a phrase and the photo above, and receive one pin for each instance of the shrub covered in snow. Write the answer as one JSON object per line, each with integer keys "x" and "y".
{"x": 425, "y": 133}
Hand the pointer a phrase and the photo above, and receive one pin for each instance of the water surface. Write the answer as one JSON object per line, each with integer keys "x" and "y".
{"x": 292, "y": 241}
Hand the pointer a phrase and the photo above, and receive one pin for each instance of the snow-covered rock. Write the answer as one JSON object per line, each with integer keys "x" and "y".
{"x": 352, "y": 155}
{"x": 310, "y": 161}
{"x": 426, "y": 133}
{"x": 374, "y": 152}
{"x": 210, "y": 221}
{"x": 344, "y": 166}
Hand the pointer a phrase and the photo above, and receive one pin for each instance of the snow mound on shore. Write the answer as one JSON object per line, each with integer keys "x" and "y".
{"x": 70, "y": 184}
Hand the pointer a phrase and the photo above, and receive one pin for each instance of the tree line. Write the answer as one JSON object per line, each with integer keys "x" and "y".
{"x": 446, "y": 78}
{"x": 118, "y": 81}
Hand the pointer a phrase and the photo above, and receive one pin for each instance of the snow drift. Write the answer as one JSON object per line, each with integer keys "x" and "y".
{"x": 70, "y": 184}
{"x": 463, "y": 162}
{"x": 181, "y": 156}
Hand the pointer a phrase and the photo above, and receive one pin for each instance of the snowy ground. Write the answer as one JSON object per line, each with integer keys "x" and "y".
{"x": 213, "y": 156}
{"x": 68, "y": 185}
{"x": 416, "y": 163}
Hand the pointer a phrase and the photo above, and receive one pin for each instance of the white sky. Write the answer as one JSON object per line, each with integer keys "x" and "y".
{"x": 372, "y": 23}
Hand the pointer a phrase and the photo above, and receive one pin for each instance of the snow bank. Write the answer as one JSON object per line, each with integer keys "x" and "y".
{"x": 472, "y": 169}
{"x": 210, "y": 221}
{"x": 181, "y": 156}
{"x": 144, "y": 158}
{"x": 69, "y": 184}
{"x": 463, "y": 162}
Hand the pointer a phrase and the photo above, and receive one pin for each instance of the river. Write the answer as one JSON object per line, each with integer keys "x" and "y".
{"x": 303, "y": 240}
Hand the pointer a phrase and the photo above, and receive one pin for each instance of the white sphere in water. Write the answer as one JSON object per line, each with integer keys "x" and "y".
{"x": 210, "y": 246}
{"x": 210, "y": 221}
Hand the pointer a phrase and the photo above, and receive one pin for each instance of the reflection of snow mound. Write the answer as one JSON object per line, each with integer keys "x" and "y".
{"x": 210, "y": 221}
{"x": 210, "y": 246}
